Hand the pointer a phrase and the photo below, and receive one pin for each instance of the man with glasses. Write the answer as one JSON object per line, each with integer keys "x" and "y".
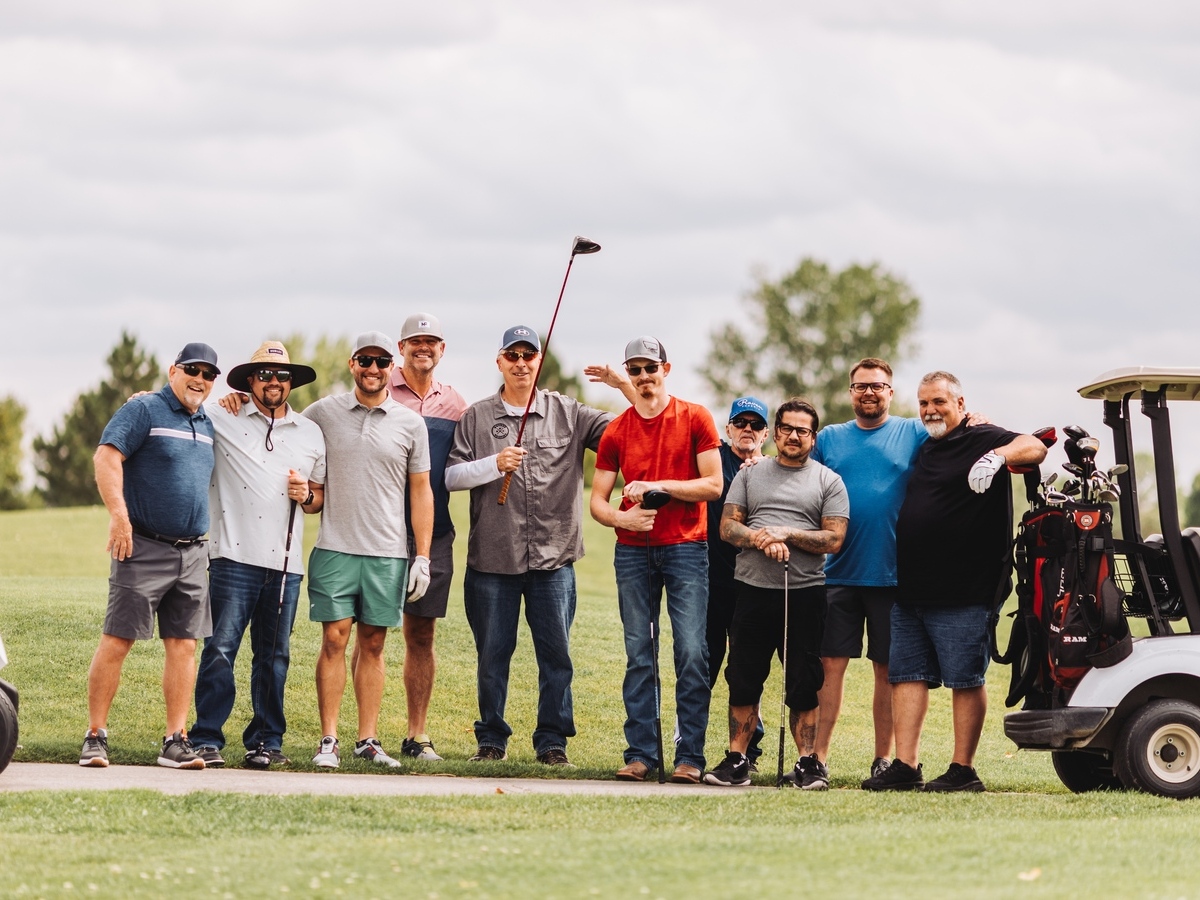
{"x": 789, "y": 510}
{"x": 660, "y": 444}
{"x": 360, "y": 570}
{"x": 152, "y": 469}
{"x": 526, "y": 547}
{"x": 270, "y": 460}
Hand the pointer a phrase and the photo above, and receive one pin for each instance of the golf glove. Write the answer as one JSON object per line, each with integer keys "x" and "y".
{"x": 985, "y": 469}
{"x": 418, "y": 578}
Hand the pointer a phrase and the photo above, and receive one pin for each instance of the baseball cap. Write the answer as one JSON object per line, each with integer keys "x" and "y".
{"x": 646, "y": 347}
{"x": 521, "y": 334}
{"x": 373, "y": 339}
{"x": 748, "y": 405}
{"x": 421, "y": 324}
{"x": 197, "y": 352}
{"x": 271, "y": 355}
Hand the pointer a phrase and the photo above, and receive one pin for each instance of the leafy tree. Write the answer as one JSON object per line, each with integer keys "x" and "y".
{"x": 806, "y": 330}
{"x": 554, "y": 379}
{"x": 64, "y": 460}
{"x": 328, "y": 357}
{"x": 12, "y": 431}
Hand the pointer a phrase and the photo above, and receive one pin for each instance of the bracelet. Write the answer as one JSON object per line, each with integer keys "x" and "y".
{"x": 311, "y": 497}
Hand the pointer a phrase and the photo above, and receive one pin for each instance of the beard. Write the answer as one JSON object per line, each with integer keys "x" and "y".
{"x": 878, "y": 412}
{"x": 935, "y": 427}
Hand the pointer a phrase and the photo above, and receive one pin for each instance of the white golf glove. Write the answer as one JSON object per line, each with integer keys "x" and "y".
{"x": 985, "y": 469}
{"x": 418, "y": 578}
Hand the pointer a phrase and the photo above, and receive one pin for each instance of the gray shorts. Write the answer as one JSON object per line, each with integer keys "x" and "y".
{"x": 441, "y": 571}
{"x": 164, "y": 581}
{"x": 850, "y": 606}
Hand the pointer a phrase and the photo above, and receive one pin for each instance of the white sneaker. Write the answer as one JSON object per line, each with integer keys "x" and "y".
{"x": 327, "y": 754}
{"x": 371, "y": 750}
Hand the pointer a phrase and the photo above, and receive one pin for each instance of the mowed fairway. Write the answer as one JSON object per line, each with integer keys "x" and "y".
{"x": 1026, "y": 837}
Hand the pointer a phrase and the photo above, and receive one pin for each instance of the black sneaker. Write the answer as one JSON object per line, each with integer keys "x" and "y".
{"x": 177, "y": 753}
{"x": 957, "y": 778}
{"x": 734, "y": 771}
{"x": 810, "y": 774}
{"x": 555, "y": 756}
{"x": 262, "y": 758}
{"x": 898, "y": 776}
{"x": 489, "y": 754}
{"x": 95, "y": 749}
{"x": 211, "y": 755}
{"x": 878, "y": 766}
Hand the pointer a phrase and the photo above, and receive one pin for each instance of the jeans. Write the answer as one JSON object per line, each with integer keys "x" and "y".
{"x": 493, "y": 604}
{"x": 642, "y": 574}
{"x": 245, "y": 595}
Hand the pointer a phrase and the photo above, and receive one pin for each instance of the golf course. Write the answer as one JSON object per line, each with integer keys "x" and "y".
{"x": 1026, "y": 837}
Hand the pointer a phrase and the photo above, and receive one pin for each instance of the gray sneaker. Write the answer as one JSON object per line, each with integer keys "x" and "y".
{"x": 95, "y": 749}
{"x": 371, "y": 750}
{"x": 177, "y": 753}
{"x": 327, "y": 753}
{"x": 212, "y": 757}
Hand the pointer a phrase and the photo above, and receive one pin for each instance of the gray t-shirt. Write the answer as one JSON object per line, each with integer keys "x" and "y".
{"x": 800, "y": 497}
{"x": 369, "y": 454}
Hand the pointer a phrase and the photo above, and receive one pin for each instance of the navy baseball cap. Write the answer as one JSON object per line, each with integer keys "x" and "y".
{"x": 197, "y": 352}
{"x": 748, "y": 405}
{"x": 521, "y": 334}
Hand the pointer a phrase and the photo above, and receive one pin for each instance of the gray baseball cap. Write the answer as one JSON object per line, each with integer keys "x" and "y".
{"x": 421, "y": 325}
{"x": 521, "y": 334}
{"x": 373, "y": 339}
{"x": 646, "y": 347}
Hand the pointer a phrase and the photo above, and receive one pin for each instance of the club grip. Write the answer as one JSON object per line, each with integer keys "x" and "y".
{"x": 504, "y": 488}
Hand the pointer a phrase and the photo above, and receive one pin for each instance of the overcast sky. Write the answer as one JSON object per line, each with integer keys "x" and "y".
{"x": 232, "y": 171}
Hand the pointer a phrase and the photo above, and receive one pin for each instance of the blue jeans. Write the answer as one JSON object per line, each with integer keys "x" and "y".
{"x": 244, "y": 595}
{"x": 641, "y": 576}
{"x": 493, "y": 604}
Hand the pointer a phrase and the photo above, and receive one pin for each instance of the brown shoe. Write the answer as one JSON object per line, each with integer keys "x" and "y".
{"x": 685, "y": 774}
{"x": 634, "y": 771}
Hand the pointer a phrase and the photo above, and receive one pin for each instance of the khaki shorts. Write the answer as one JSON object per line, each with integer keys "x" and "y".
{"x": 368, "y": 589}
{"x": 164, "y": 581}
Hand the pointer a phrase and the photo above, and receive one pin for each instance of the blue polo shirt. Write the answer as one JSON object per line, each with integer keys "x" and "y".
{"x": 168, "y": 463}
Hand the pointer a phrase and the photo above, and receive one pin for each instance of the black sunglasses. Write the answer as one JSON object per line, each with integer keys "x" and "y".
{"x": 752, "y": 424}
{"x": 365, "y": 361}
{"x": 514, "y": 355}
{"x": 635, "y": 371}
{"x": 192, "y": 371}
{"x": 283, "y": 376}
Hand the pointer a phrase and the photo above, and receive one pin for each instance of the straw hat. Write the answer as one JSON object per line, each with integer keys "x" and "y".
{"x": 271, "y": 355}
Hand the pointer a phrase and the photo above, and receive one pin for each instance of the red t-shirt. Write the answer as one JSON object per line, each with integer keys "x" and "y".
{"x": 661, "y": 449}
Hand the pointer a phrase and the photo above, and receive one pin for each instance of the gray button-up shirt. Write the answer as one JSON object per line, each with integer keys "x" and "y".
{"x": 540, "y": 527}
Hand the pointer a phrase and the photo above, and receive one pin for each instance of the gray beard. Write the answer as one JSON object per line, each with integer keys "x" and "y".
{"x": 937, "y": 430}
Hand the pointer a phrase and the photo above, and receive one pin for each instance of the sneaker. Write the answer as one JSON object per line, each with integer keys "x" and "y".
{"x": 95, "y": 749}
{"x": 734, "y": 771}
{"x": 810, "y": 774}
{"x": 957, "y": 778}
{"x": 263, "y": 758}
{"x": 211, "y": 755}
{"x": 371, "y": 750}
{"x": 878, "y": 766}
{"x": 327, "y": 754}
{"x": 555, "y": 757}
{"x": 489, "y": 754}
{"x": 897, "y": 776}
{"x": 419, "y": 747}
{"x": 177, "y": 753}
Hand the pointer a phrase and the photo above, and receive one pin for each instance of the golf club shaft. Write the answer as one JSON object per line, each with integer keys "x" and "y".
{"x": 268, "y": 682}
{"x": 783, "y": 693}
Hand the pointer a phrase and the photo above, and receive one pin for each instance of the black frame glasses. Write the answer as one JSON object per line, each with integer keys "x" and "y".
{"x": 861, "y": 387}
{"x": 753, "y": 424}
{"x": 513, "y": 355}
{"x": 283, "y": 376}
{"x": 799, "y": 430}
{"x": 191, "y": 371}
{"x": 635, "y": 371}
{"x": 364, "y": 361}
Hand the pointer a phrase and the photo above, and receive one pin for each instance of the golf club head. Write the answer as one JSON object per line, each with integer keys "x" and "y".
{"x": 1118, "y": 469}
{"x": 583, "y": 245}
{"x": 1048, "y": 436}
{"x": 655, "y": 499}
{"x": 1050, "y": 479}
{"x": 1075, "y": 432}
{"x": 1074, "y": 469}
{"x": 1055, "y": 498}
{"x": 1073, "y": 454}
{"x": 1071, "y": 488}
{"x": 1088, "y": 447}
{"x": 1110, "y": 494}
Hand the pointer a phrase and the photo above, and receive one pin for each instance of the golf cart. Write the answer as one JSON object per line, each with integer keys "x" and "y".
{"x": 8, "y": 716}
{"x": 1136, "y": 723}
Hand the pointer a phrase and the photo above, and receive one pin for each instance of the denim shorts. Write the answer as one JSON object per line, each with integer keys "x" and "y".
{"x": 939, "y": 645}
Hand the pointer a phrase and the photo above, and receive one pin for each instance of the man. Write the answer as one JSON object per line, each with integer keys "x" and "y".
{"x": 413, "y": 385}
{"x": 269, "y": 461}
{"x": 780, "y": 505}
{"x": 152, "y": 468}
{"x": 359, "y": 571}
{"x": 951, "y": 539}
{"x": 526, "y": 547}
{"x": 660, "y": 444}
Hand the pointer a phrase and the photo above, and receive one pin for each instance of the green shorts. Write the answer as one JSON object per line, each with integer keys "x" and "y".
{"x": 369, "y": 589}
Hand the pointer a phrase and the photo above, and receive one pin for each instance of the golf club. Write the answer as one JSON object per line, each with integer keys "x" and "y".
{"x": 581, "y": 245}
{"x": 655, "y": 500}
{"x": 261, "y": 750}
{"x": 783, "y": 694}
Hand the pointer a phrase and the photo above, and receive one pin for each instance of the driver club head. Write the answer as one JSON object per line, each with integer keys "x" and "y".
{"x": 1048, "y": 436}
{"x": 655, "y": 499}
{"x": 583, "y": 245}
{"x": 1072, "y": 450}
{"x": 1088, "y": 447}
{"x": 1075, "y": 432}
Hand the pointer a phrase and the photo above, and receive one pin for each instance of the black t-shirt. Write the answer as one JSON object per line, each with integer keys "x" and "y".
{"x": 950, "y": 541}
{"x": 722, "y": 557}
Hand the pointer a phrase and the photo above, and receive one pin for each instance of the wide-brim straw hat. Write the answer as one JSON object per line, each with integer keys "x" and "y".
{"x": 271, "y": 355}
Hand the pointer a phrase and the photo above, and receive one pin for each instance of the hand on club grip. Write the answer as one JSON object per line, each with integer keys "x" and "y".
{"x": 418, "y": 578}
{"x": 985, "y": 469}
{"x": 509, "y": 459}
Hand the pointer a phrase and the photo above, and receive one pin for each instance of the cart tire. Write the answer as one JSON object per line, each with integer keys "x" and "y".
{"x": 8, "y": 730}
{"x": 1081, "y": 771}
{"x": 1158, "y": 750}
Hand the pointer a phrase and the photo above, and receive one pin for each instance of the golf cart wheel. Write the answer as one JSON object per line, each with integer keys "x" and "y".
{"x": 8, "y": 730}
{"x": 1159, "y": 749}
{"x": 1081, "y": 771}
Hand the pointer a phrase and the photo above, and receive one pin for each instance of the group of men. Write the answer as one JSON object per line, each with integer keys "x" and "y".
{"x": 862, "y": 522}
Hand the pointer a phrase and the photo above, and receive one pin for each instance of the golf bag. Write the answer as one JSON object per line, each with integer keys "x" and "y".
{"x": 1069, "y": 617}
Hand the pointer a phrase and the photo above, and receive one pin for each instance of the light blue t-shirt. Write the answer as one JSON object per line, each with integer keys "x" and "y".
{"x": 874, "y": 466}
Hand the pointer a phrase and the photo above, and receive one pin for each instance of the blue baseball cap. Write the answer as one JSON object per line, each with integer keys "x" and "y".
{"x": 521, "y": 334}
{"x": 197, "y": 352}
{"x": 748, "y": 405}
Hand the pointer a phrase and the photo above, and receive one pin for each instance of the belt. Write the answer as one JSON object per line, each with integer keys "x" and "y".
{"x": 167, "y": 539}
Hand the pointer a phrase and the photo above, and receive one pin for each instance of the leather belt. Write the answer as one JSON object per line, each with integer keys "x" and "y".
{"x": 167, "y": 539}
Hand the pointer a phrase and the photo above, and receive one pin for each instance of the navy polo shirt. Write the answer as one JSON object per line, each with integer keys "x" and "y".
{"x": 168, "y": 463}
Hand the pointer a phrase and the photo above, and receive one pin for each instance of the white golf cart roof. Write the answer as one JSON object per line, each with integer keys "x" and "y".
{"x": 1180, "y": 383}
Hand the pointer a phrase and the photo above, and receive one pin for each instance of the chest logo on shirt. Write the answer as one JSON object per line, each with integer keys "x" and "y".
{"x": 499, "y": 431}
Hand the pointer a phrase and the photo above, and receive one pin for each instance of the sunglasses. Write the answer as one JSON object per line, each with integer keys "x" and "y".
{"x": 635, "y": 371}
{"x": 798, "y": 430}
{"x": 752, "y": 424}
{"x": 283, "y": 376}
{"x": 514, "y": 355}
{"x": 364, "y": 361}
{"x": 861, "y": 387}
{"x": 192, "y": 371}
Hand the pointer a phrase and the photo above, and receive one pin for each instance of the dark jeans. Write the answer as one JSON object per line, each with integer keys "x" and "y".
{"x": 245, "y": 595}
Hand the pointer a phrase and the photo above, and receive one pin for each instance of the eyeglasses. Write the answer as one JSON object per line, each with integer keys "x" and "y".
{"x": 861, "y": 387}
{"x": 283, "y": 376}
{"x": 364, "y": 361}
{"x": 192, "y": 371}
{"x": 798, "y": 430}
{"x": 514, "y": 355}
{"x": 635, "y": 371}
{"x": 752, "y": 424}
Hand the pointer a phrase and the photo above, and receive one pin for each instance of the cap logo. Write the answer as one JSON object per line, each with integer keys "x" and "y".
{"x": 275, "y": 350}
{"x": 424, "y": 323}
{"x": 524, "y": 332}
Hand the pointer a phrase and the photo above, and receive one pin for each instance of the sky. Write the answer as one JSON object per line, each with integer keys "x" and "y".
{"x": 236, "y": 171}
